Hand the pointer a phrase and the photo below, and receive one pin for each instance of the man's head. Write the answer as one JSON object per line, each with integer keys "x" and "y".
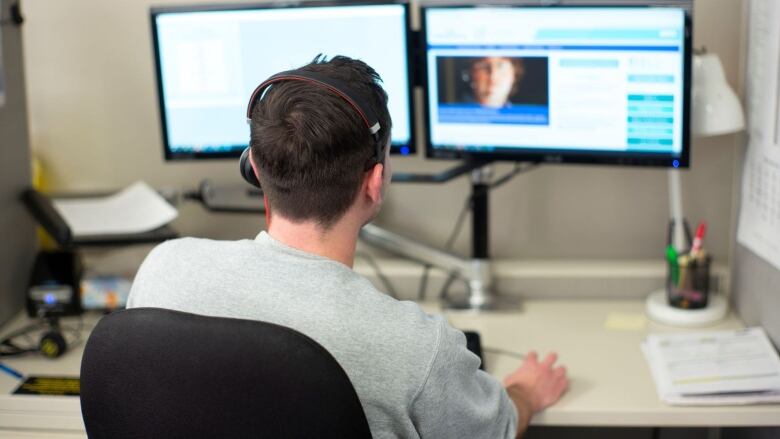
{"x": 312, "y": 151}
{"x": 494, "y": 79}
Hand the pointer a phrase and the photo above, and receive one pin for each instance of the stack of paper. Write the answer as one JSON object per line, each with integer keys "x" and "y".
{"x": 135, "y": 209}
{"x": 707, "y": 368}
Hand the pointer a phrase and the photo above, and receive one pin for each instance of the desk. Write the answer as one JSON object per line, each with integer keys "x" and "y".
{"x": 610, "y": 380}
{"x": 28, "y": 416}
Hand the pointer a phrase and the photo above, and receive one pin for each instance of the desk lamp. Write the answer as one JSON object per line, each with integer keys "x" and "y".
{"x": 716, "y": 110}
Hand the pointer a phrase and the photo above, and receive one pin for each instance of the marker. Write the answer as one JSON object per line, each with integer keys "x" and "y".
{"x": 671, "y": 257}
{"x": 14, "y": 373}
{"x": 697, "y": 241}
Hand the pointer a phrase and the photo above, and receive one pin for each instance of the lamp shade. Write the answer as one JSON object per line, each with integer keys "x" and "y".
{"x": 716, "y": 108}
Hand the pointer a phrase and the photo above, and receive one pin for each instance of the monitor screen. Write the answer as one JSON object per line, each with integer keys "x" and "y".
{"x": 210, "y": 59}
{"x": 558, "y": 84}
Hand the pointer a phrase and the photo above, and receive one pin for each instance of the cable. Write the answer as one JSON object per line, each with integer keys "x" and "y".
{"x": 423, "y": 282}
{"x": 459, "y": 223}
{"x": 24, "y": 330}
{"x": 78, "y": 332}
{"x": 504, "y": 352}
{"x": 518, "y": 169}
{"x": 447, "y": 246}
{"x": 388, "y": 285}
{"x": 9, "y": 348}
{"x": 452, "y": 277}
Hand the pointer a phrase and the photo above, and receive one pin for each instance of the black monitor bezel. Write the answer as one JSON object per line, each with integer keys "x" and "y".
{"x": 154, "y": 12}
{"x": 550, "y": 155}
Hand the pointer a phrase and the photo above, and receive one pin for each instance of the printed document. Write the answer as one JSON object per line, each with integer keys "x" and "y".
{"x": 719, "y": 367}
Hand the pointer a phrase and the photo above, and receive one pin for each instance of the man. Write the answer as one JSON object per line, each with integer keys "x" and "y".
{"x": 316, "y": 160}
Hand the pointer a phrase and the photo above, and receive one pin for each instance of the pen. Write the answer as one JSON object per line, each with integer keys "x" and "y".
{"x": 14, "y": 373}
{"x": 697, "y": 241}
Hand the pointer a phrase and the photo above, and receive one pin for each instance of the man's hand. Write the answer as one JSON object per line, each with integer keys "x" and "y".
{"x": 535, "y": 386}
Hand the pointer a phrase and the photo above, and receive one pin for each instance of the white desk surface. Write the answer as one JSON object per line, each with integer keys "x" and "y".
{"x": 610, "y": 380}
{"x": 31, "y": 416}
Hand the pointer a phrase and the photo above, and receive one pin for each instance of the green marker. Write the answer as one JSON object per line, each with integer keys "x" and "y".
{"x": 671, "y": 257}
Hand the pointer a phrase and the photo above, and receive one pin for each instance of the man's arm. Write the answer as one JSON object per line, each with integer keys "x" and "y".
{"x": 535, "y": 386}
{"x": 457, "y": 399}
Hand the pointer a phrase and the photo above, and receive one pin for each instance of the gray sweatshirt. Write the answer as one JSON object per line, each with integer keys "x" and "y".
{"x": 412, "y": 371}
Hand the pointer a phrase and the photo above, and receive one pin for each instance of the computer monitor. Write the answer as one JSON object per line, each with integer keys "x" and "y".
{"x": 211, "y": 58}
{"x": 593, "y": 84}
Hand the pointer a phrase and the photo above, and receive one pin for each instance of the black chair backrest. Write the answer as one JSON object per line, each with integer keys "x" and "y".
{"x": 156, "y": 373}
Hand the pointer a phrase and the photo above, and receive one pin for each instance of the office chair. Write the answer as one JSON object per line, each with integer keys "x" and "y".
{"x": 157, "y": 373}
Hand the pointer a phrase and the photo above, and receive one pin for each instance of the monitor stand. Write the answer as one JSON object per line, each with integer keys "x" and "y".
{"x": 481, "y": 295}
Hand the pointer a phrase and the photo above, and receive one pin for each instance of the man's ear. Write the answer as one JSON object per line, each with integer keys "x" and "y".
{"x": 374, "y": 182}
{"x": 266, "y": 205}
{"x": 254, "y": 166}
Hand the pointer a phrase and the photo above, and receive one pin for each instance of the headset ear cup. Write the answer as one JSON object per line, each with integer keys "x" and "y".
{"x": 245, "y": 167}
{"x": 53, "y": 344}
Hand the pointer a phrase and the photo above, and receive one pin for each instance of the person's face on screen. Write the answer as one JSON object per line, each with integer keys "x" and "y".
{"x": 492, "y": 80}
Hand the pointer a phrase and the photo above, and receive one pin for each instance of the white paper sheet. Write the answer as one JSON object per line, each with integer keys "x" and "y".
{"x": 719, "y": 367}
{"x": 135, "y": 209}
{"x": 759, "y": 218}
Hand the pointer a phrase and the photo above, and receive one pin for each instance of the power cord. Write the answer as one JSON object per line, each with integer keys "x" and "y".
{"x": 447, "y": 246}
{"x": 519, "y": 168}
{"x": 8, "y": 347}
{"x": 504, "y": 352}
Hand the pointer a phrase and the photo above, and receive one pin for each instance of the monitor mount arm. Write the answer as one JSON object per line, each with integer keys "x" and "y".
{"x": 476, "y": 270}
{"x": 441, "y": 177}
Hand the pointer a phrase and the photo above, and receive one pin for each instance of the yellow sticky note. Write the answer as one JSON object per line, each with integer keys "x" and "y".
{"x": 623, "y": 321}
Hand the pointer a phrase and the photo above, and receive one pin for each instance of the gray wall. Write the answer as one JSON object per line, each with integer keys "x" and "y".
{"x": 756, "y": 283}
{"x": 95, "y": 124}
{"x": 757, "y": 292}
{"x": 17, "y": 233}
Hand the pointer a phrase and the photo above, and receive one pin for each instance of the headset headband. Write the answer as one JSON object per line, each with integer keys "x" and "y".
{"x": 334, "y": 85}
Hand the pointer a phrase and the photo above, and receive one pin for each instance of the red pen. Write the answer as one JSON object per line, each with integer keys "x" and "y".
{"x": 697, "y": 240}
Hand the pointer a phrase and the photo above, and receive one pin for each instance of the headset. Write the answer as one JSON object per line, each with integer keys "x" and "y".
{"x": 334, "y": 85}
{"x": 51, "y": 344}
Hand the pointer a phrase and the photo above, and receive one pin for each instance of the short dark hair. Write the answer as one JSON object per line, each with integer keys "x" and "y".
{"x": 311, "y": 146}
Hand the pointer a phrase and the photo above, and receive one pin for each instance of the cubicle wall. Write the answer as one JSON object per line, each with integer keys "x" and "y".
{"x": 94, "y": 123}
{"x": 757, "y": 299}
{"x": 17, "y": 231}
{"x": 757, "y": 287}
{"x": 756, "y": 280}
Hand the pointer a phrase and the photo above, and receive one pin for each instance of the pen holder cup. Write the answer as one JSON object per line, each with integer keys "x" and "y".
{"x": 688, "y": 282}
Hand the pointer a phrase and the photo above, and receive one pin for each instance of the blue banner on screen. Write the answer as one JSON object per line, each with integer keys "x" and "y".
{"x": 510, "y": 114}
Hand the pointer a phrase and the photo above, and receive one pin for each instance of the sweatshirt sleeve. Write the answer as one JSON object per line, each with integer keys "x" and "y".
{"x": 459, "y": 400}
